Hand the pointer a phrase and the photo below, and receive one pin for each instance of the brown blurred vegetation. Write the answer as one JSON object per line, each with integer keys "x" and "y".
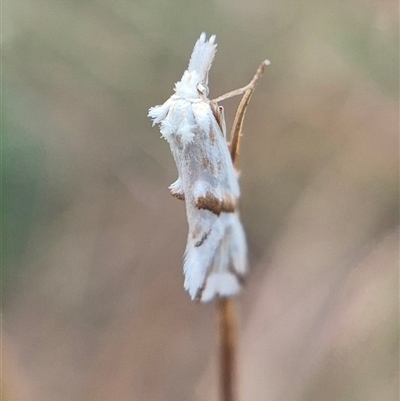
{"x": 93, "y": 302}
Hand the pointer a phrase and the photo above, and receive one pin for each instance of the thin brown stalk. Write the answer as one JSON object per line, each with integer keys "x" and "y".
{"x": 226, "y": 307}
{"x": 227, "y": 322}
{"x": 251, "y": 85}
{"x": 236, "y": 131}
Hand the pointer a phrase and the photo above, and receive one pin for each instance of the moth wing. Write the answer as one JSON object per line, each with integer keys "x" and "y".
{"x": 205, "y": 233}
{"x": 213, "y": 177}
{"x": 217, "y": 263}
{"x": 216, "y": 252}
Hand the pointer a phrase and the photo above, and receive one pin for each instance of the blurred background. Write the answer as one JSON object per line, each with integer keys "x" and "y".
{"x": 93, "y": 299}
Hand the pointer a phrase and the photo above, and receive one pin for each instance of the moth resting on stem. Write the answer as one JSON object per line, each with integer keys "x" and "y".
{"x": 194, "y": 126}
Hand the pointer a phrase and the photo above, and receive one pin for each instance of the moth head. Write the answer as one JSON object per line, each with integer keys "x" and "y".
{"x": 188, "y": 86}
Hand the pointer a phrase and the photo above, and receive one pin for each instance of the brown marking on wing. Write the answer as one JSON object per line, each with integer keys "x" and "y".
{"x": 215, "y": 205}
{"x": 178, "y": 195}
{"x": 196, "y": 232}
{"x": 201, "y": 240}
{"x": 200, "y": 291}
{"x": 212, "y": 137}
{"x": 205, "y": 162}
{"x": 207, "y": 165}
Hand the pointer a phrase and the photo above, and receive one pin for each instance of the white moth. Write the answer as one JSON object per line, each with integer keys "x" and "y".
{"x": 216, "y": 251}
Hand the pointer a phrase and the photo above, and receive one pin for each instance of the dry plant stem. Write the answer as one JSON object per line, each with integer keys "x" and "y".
{"x": 227, "y": 321}
{"x": 236, "y": 132}
{"x": 251, "y": 85}
{"x": 226, "y": 308}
